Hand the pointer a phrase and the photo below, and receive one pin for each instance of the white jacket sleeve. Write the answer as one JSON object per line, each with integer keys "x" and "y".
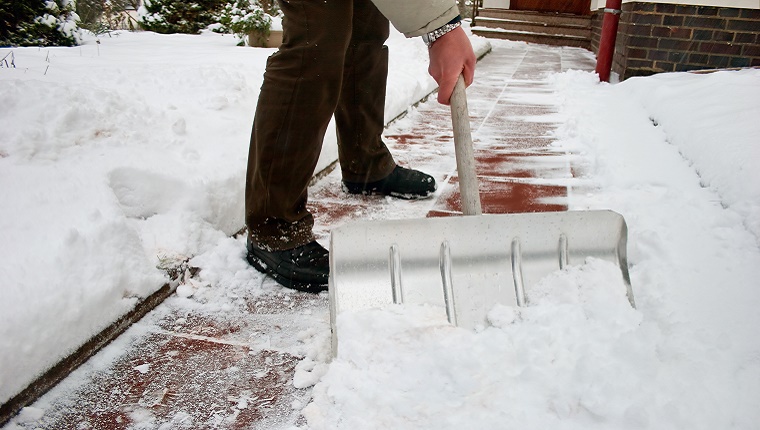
{"x": 417, "y": 17}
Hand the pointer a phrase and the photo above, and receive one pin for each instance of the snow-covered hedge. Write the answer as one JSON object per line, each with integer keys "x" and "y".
{"x": 39, "y": 23}
{"x": 240, "y": 17}
{"x": 222, "y": 16}
{"x": 178, "y": 16}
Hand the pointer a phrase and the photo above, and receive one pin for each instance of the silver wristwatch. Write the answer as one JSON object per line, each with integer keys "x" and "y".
{"x": 434, "y": 35}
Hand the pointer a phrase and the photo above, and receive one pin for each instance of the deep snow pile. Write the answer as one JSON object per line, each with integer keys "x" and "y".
{"x": 678, "y": 156}
{"x": 106, "y": 174}
{"x": 120, "y": 158}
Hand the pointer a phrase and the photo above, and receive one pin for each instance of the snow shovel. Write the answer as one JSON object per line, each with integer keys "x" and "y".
{"x": 464, "y": 265}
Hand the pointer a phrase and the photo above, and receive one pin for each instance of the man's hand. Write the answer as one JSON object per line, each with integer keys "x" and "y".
{"x": 450, "y": 56}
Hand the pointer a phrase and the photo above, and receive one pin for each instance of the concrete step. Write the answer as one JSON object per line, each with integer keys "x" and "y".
{"x": 535, "y": 27}
{"x": 528, "y": 16}
{"x": 544, "y": 39}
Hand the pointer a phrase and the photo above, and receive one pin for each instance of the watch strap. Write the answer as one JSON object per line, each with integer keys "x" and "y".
{"x": 436, "y": 34}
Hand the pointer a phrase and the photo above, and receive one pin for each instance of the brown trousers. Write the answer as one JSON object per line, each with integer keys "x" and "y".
{"x": 332, "y": 61}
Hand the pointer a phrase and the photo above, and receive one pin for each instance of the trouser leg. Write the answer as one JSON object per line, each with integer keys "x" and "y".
{"x": 298, "y": 97}
{"x": 360, "y": 113}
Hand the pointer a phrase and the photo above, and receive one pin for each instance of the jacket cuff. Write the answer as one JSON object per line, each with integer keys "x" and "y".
{"x": 451, "y": 14}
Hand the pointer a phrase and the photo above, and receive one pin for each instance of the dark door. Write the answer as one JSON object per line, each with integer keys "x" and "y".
{"x": 576, "y": 7}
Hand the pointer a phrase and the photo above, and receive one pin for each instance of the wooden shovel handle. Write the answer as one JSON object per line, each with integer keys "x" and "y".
{"x": 468, "y": 180}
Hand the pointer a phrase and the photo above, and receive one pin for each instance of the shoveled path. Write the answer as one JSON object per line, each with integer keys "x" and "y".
{"x": 241, "y": 365}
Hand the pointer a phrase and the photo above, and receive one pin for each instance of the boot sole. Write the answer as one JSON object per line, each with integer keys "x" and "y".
{"x": 403, "y": 196}
{"x": 262, "y": 267}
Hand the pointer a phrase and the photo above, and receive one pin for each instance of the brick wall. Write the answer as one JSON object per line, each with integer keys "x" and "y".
{"x": 658, "y": 37}
{"x": 596, "y": 30}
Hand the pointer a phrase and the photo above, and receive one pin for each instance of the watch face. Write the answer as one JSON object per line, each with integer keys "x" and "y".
{"x": 426, "y": 37}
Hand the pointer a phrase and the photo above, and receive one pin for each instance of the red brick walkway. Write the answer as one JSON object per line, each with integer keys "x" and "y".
{"x": 233, "y": 368}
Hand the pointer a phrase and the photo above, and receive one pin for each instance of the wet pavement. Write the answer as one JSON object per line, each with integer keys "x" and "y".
{"x": 236, "y": 367}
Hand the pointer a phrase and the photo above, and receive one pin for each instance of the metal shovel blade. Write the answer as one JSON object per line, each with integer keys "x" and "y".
{"x": 465, "y": 265}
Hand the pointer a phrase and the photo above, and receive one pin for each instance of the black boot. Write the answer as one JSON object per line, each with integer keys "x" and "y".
{"x": 402, "y": 183}
{"x": 305, "y": 268}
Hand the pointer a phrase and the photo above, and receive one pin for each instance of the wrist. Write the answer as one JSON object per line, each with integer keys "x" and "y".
{"x": 431, "y": 37}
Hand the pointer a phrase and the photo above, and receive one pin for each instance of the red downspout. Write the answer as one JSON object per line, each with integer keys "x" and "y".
{"x": 607, "y": 43}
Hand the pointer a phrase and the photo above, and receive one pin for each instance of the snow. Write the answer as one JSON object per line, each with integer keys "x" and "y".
{"x": 579, "y": 356}
{"x": 128, "y": 154}
{"x": 119, "y": 157}
{"x": 530, "y": 366}
{"x": 677, "y": 154}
